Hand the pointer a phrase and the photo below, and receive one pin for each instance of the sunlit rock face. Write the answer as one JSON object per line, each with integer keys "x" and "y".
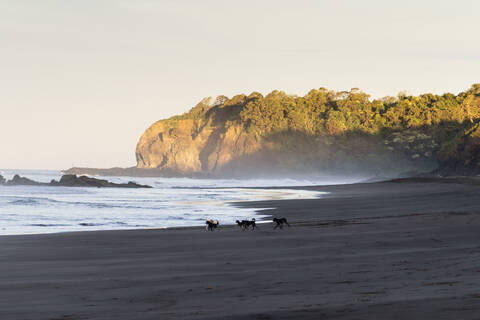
{"x": 185, "y": 146}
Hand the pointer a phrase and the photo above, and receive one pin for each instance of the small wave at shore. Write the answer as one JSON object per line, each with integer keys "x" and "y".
{"x": 171, "y": 203}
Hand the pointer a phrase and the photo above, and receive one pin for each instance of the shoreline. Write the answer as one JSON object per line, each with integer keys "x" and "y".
{"x": 282, "y": 207}
{"x": 371, "y": 251}
{"x": 227, "y": 207}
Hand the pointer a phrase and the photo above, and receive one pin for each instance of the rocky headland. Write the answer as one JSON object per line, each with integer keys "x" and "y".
{"x": 323, "y": 132}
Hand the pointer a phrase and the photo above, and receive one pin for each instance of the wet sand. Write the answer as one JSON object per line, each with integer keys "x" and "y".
{"x": 407, "y": 250}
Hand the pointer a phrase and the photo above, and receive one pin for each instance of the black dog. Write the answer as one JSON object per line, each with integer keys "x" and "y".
{"x": 241, "y": 224}
{"x": 247, "y": 224}
{"x": 280, "y": 222}
{"x": 211, "y": 224}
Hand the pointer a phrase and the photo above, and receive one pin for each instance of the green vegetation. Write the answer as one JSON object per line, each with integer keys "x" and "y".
{"x": 322, "y": 111}
{"x": 442, "y": 128}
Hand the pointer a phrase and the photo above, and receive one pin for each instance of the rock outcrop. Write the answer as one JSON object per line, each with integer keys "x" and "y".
{"x": 84, "y": 181}
{"x": 187, "y": 146}
{"x": 22, "y": 181}
{"x": 70, "y": 181}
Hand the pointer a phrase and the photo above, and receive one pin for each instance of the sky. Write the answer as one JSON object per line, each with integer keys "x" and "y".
{"x": 81, "y": 80}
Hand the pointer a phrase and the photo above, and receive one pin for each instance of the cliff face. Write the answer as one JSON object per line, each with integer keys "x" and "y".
{"x": 232, "y": 151}
{"x": 324, "y": 132}
{"x": 191, "y": 146}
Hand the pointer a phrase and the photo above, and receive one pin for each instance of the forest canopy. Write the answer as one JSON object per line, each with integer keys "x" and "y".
{"x": 323, "y": 111}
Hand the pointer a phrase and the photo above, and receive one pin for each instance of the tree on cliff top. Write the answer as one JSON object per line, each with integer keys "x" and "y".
{"x": 323, "y": 111}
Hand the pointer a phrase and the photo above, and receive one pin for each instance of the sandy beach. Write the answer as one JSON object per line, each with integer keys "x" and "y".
{"x": 392, "y": 250}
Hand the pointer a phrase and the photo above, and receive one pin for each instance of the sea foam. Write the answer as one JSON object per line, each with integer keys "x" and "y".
{"x": 173, "y": 202}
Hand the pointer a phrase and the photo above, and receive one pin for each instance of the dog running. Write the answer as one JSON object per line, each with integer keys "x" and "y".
{"x": 246, "y": 224}
{"x": 280, "y": 222}
{"x": 211, "y": 224}
{"x": 241, "y": 224}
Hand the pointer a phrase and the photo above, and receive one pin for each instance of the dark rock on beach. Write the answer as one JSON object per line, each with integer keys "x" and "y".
{"x": 71, "y": 181}
{"x": 21, "y": 181}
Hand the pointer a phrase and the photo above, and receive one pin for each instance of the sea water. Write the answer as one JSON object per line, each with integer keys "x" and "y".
{"x": 172, "y": 202}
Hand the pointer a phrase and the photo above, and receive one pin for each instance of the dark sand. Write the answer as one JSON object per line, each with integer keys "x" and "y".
{"x": 371, "y": 251}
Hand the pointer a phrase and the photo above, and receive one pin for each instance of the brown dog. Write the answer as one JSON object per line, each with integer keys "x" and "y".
{"x": 211, "y": 224}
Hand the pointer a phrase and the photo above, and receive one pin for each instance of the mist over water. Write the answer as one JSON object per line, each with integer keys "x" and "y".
{"x": 172, "y": 202}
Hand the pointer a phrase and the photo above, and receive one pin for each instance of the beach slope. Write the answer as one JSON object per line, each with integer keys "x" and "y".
{"x": 408, "y": 250}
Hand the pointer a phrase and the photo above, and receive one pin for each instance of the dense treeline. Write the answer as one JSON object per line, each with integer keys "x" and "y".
{"x": 323, "y": 111}
{"x": 445, "y": 128}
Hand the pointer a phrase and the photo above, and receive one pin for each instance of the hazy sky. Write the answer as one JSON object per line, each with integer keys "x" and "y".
{"x": 81, "y": 80}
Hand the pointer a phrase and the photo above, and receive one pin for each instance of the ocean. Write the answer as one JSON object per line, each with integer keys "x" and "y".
{"x": 172, "y": 202}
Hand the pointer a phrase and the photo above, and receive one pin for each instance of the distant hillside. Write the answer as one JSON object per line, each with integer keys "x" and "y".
{"x": 324, "y": 132}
